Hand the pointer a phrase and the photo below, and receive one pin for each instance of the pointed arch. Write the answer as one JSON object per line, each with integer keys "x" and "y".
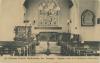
{"x": 87, "y": 18}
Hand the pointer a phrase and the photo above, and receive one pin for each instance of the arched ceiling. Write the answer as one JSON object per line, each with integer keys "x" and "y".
{"x": 27, "y": 3}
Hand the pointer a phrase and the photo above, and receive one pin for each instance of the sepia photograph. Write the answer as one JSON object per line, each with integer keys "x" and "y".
{"x": 59, "y": 28}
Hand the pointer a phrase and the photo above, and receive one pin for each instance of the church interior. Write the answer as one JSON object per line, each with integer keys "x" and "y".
{"x": 50, "y": 27}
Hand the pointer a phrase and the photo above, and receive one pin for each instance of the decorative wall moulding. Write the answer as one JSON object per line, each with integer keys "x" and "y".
{"x": 88, "y": 18}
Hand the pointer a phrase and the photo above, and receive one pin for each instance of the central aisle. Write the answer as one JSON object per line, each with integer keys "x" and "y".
{"x": 42, "y": 48}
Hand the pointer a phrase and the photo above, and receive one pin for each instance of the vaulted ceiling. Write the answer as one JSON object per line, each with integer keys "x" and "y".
{"x": 27, "y": 3}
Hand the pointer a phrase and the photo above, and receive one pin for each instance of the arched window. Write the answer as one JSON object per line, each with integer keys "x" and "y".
{"x": 87, "y": 18}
